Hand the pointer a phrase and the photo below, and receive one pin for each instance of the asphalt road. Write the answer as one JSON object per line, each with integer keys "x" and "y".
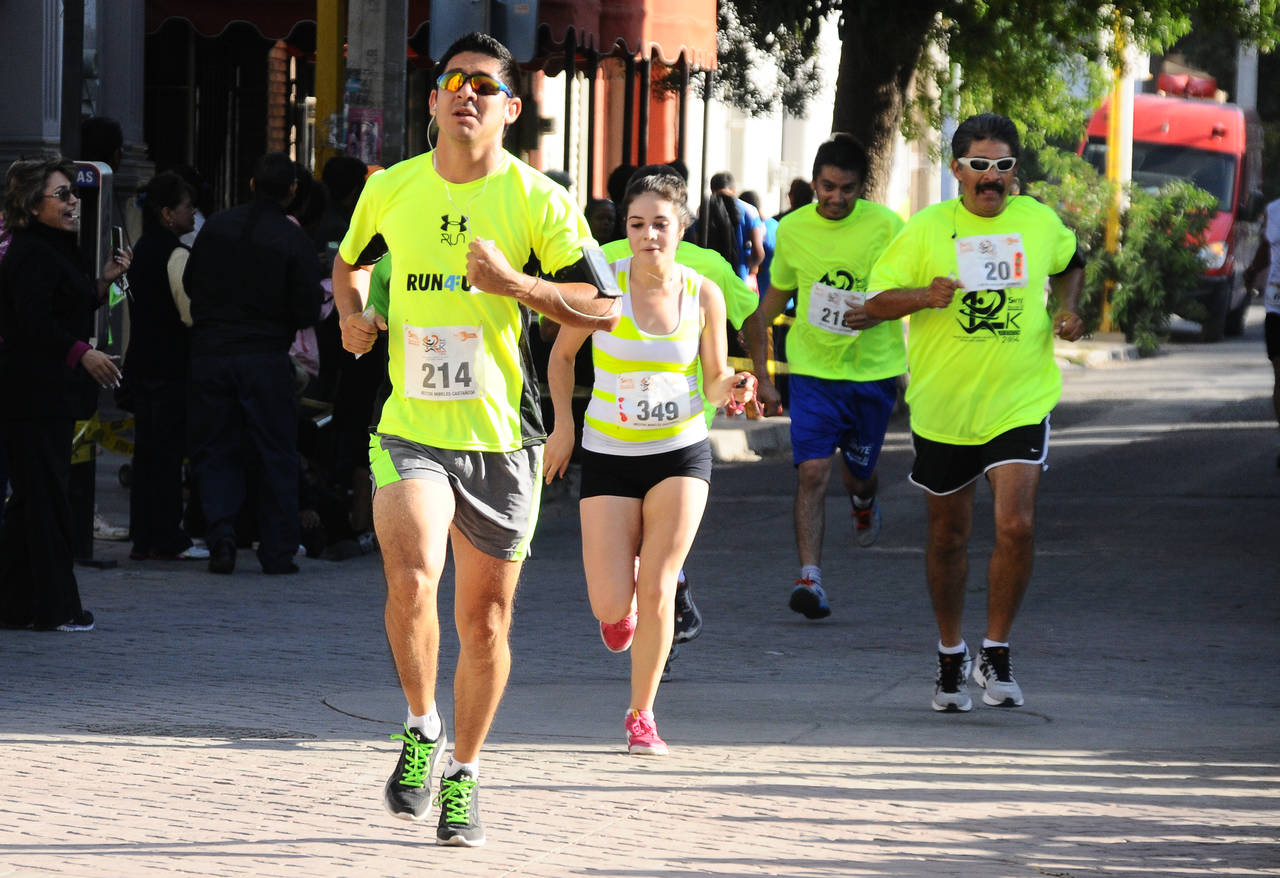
{"x": 238, "y": 725}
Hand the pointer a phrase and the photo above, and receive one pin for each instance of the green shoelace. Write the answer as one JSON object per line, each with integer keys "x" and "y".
{"x": 454, "y": 799}
{"x": 416, "y": 759}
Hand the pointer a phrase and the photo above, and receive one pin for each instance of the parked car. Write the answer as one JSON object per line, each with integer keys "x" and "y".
{"x": 1218, "y": 147}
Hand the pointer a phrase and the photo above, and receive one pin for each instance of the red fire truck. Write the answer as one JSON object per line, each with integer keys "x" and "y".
{"x": 1218, "y": 147}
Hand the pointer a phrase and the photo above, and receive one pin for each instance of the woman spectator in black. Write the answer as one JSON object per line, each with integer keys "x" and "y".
{"x": 156, "y": 368}
{"x": 48, "y": 295}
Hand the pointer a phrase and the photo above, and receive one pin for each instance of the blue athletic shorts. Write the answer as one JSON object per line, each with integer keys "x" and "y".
{"x": 849, "y": 415}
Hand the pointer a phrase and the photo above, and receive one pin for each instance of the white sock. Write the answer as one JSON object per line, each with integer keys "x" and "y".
{"x": 429, "y": 723}
{"x": 473, "y": 768}
{"x": 952, "y": 650}
{"x": 812, "y": 573}
{"x": 862, "y": 502}
{"x": 988, "y": 643}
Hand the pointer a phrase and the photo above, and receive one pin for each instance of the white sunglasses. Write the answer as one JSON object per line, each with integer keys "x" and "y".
{"x": 981, "y": 165}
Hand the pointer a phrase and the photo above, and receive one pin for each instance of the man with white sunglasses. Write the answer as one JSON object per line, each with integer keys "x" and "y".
{"x": 970, "y": 273}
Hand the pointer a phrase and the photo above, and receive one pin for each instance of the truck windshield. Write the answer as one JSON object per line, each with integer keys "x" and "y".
{"x": 1155, "y": 164}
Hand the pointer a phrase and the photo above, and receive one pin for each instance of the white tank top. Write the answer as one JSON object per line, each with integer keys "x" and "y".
{"x": 646, "y": 397}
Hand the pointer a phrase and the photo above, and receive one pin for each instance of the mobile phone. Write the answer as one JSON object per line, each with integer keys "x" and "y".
{"x": 117, "y": 240}
{"x": 602, "y": 275}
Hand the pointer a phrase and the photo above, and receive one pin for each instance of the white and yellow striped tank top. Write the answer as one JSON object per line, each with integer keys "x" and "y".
{"x": 646, "y": 397}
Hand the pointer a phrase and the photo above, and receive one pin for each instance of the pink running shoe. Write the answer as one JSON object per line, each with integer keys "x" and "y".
{"x": 617, "y": 636}
{"x": 642, "y": 734}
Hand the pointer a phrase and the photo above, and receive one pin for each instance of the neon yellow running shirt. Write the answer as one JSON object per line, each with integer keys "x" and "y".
{"x": 461, "y": 372}
{"x": 984, "y": 364}
{"x": 818, "y": 257}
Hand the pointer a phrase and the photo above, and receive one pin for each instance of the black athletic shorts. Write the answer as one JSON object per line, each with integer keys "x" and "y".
{"x": 616, "y": 475}
{"x": 1271, "y": 329}
{"x": 944, "y": 469}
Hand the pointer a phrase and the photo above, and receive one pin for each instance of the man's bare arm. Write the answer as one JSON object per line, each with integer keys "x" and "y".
{"x": 350, "y": 292}
{"x": 1067, "y": 288}
{"x": 892, "y": 304}
{"x": 568, "y": 303}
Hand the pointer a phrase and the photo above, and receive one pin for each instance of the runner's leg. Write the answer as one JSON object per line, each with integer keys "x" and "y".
{"x": 610, "y": 537}
{"x": 1013, "y": 486}
{"x": 672, "y": 512}
{"x": 947, "y": 559}
{"x": 484, "y": 594}
{"x": 411, "y": 518}
{"x": 810, "y": 509}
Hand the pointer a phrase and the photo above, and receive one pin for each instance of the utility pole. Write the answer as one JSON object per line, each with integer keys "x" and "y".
{"x": 331, "y": 69}
{"x": 1119, "y": 153}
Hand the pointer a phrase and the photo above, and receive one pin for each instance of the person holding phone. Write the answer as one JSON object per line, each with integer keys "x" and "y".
{"x": 48, "y": 295}
{"x": 646, "y": 458}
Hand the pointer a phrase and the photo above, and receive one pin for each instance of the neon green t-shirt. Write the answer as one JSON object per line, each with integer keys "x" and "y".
{"x": 380, "y": 286}
{"x": 984, "y": 364}
{"x": 459, "y": 362}
{"x": 838, "y": 255}
{"x": 739, "y": 302}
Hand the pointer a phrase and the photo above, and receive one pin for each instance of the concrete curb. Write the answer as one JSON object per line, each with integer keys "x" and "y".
{"x": 740, "y": 439}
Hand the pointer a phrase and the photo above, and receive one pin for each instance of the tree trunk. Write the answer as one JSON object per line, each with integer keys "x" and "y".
{"x": 881, "y": 44}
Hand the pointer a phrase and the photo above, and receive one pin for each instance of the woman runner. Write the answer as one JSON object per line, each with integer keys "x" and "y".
{"x": 646, "y": 459}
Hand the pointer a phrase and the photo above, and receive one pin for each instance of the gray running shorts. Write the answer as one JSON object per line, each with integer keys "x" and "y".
{"x": 497, "y": 493}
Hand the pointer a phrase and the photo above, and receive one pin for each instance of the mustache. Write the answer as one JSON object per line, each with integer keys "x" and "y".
{"x": 995, "y": 186}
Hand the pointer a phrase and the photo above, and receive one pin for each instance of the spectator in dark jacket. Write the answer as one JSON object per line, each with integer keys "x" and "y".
{"x": 156, "y": 368}
{"x": 48, "y": 294}
{"x": 254, "y": 281}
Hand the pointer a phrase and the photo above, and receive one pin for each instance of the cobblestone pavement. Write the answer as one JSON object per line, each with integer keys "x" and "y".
{"x": 239, "y": 725}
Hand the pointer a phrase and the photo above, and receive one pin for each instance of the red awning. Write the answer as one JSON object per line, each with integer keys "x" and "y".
{"x": 629, "y": 27}
{"x": 663, "y": 27}
{"x": 581, "y": 18}
{"x": 274, "y": 19}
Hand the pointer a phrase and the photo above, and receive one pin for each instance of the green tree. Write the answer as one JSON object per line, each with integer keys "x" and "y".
{"x": 1159, "y": 263}
{"x": 1028, "y": 59}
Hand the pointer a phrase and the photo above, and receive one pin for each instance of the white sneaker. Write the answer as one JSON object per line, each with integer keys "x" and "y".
{"x": 995, "y": 675}
{"x": 951, "y": 690}
{"x": 104, "y": 531}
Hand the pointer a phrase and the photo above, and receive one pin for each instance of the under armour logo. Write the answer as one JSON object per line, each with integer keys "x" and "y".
{"x": 447, "y": 236}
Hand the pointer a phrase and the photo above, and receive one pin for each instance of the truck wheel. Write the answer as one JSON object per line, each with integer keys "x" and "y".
{"x": 1215, "y": 321}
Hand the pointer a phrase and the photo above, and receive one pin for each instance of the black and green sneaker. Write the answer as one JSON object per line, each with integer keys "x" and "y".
{"x": 408, "y": 791}
{"x": 459, "y": 811}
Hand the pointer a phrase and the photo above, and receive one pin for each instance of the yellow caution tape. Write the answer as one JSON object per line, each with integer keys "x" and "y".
{"x": 742, "y": 364}
{"x": 94, "y": 432}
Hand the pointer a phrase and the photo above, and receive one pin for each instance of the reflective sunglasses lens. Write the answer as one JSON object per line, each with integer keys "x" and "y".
{"x": 483, "y": 85}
